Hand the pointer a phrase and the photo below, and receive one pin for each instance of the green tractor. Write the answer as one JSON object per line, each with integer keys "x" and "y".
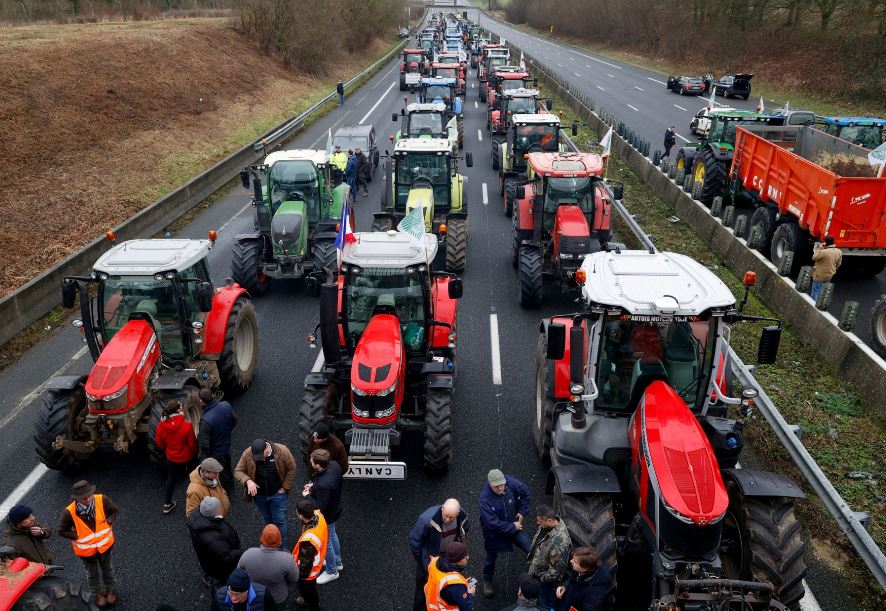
{"x": 704, "y": 167}
{"x": 424, "y": 172}
{"x": 427, "y": 121}
{"x": 296, "y": 213}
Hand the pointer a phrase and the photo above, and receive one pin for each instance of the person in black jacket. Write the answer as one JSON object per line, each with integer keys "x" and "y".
{"x": 435, "y": 527}
{"x": 670, "y": 139}
{"x": 325, "y": 491}
{"x": 364, "y": 171}
{"x": 241, "y": 594}
{"x": 215, "y": 541}
{"x": 214, "y": 439}
{"x": 590, "y": 585}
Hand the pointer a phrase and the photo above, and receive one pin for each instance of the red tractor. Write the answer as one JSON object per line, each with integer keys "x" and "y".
{"x": 157, "y": 330}
{"x": 504, "y": 78}
{"x": 453, "y": 71}
{"x": 31, "y": 586}
{"x": 514, "y": 102}
{"x": 633, "y": 415}
{"x": 388, "y": 331}
{"x": 561, "y": 215}
{"x": 414, "y": 64}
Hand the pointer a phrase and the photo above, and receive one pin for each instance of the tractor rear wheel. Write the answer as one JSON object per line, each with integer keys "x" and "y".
{"x": 878, "y": 326}
{"x": 788, "y": 237}
{"x": 325, "y": 258}
{"x": 510, "y": 195}
{"x": 531, "y": 286}
{"x": 762, "y": 541}
{"x": 438, "y": 430}
{"x": 460, "y": 126}
{"x": 191, "y": 407}
{"x": 382, "y": 224}
{"x": 456, "y": 245}
{"x": 239, "y": 356}
{"x": 543, "y": 423}
{"x": 590, "y": 521}
{"x": 245, "y": 267}
{"x": 316, "y": 405}
{"x": 496, "y": 154}
{"x": 711, "y": 174}
{"x": 61, "y": 413}
{"x": 761, "y": 229}
{"x": 51, "y": 592}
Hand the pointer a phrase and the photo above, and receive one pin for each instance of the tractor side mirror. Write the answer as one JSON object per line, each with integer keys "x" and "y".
{"x": 394, "y": 117}
{"x": 618, "y": 190}
{"x": 244, "y": 178}
{"x": 520, "y": 192}
{"x": 549, "y": 104}
{"x": 770, "y": 338}
{"x": 205, "y": 293}
{"x": 556, "y": 344}
{"x": 456, "y": 288}
{"x": 69, "y": 293}
{"x": 469, "y": 160}
{"x": 574, "y": 129}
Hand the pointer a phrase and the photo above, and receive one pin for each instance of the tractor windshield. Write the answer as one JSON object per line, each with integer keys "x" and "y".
{"x": 521, "y": 106}
{"x": 438, "y": 92}
{"x": 498, "y": 61}
{"x": 403, "y": 287}
{"x": 868, "y": 136}
{"x": 575, "y": 190}
{"x": 450, "y": 59}
{"x": 413, "y": 58}
{"x": 635, "y": 352}
{"x": 425, "y": 123}
{"x": 511, "y": 84}
{"x": 723, "y": 129}
{"x": 295, "y": 180}
{"x": 446, "y": 72}
{"x": 351, "y": 142}
{"x": 414, "y": 167}
{"x": 544, "y": 136}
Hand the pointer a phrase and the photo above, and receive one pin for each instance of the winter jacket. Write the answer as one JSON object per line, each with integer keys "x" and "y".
{"x": 216, "y": 426}
{"x": 498, "y": 512}
{"x": 427, "y": 533}
{"x": 549, "y": 554}
{"x": 66, "y": 526}
{"x": 670, "y": 139}
{"x": 175, "y": 436}
{"x": 827, "y": 261}
{"x": 524, "y": 605}
{"x": 216, "y": 544}
{"x": 351, "y": 169}
{"x": 339, "y": 159}
{"x": 588, "y": 591}
{"x": 285, "y": 462}
{"x": 326, "y": 491}
{"x": 259, "y": 599}
{"x": 199, "y": 490}
{"x": 27, "y": 545}
{"x": 364, "y": 168}
{"x": 272, "y": 568}
{"x": 336, "y": 449}
{"x": 456, "y": 594}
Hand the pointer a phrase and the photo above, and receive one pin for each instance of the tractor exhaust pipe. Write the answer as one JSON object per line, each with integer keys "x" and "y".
{"x": 576, "y": 372}
{"x": 329, "y": 322}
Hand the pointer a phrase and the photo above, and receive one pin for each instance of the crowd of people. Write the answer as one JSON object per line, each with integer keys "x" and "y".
{"x": 266, "y": 576}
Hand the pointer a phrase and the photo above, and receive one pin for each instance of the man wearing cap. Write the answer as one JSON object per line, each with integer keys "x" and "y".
{"x": 216, "y": 427}
{"x": 434, "y": 528}
{"x": 269, "y": 566}
{"x": 267, "y": 472}
{"x": 215, "y": 541}
{"x": 87, "y": 523}
{"x": 26, "y": 536}
{"x": 324, "y": 490}
{"x": 503, "y": 503}
{"x": 339, "y": 159}
{"x": 527, "y": 596}
{"x": 204, "y": 481}
{"x": 446, "y": 587}
{"x": 243, "y": 594}
{"x": 322, "y": 440}
{"x": 826, "y": 261}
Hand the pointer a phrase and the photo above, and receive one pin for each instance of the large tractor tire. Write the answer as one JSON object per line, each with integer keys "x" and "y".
{"x": 460, "y": 127}
{"x": 878, "y": 326}
{"x": 57, "y": 594}
{"x": 402, "y": 82}
{"x": 788, "y": 237}
{"x": 325, "y": 258}
{"x": 711, "y": 175}
{"x": 245, "y": 267}
{"x": 482, "y": 87}
{"x": 193, "y": 413}
{"x": 590, "y": 522}
{"x": 438, "y": 430}
{"x": 496, "y": 154}
{"x": 316, "y": 405}
{"x": 61, "y": 412}
{"x": 543, "y": 423}
{"x": 763, "y": 542}
{"x": 239, "y": 356}
{"x": 531, "y": 282}
{"x": 456, "y": 245}
{"x": 762, "y": 227}
{"x": 382, "y": 224}
{"x": 510, "y": 195}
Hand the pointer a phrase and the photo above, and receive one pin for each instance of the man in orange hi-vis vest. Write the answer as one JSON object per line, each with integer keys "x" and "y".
{"x": 87, "y": 523}
{"x": 447, "y": 589}
{"x": 310, "y": 551}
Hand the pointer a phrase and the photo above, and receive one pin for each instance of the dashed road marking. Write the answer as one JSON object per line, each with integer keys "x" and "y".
{"x": 382, "y": 79}
{"x": 476, "y": 105}
{"x": 610, "y": 75}
{"x": 600, "y": 88}
{"x": 485, "y": 195}
{"x": 680, "y": 107}
{"x": 682, "y": 138}
{"x": 655, "y": 80}
{"x": 633, "y": 108}
{"x": 479, "y": 135}
{"x": 577, "y": 74}
{"x": 639, "y": 88}
{"x": 496, "y": 356}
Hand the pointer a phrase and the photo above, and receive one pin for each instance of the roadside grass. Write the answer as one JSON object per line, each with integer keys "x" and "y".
{"x": 843, "y": 435}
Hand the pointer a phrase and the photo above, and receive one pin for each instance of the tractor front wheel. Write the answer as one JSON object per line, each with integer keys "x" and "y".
{"x": 460, "y": 127}
{"x": 61, "y": 414}
{"x": 190, "y": 406}
{"x": 590, "y": 521}
{"x": 531, "y": 287}
{"x": 438, "y": 430}
{"x": 51, "y": 592}
{"x": 543, "y": 423}
{"x": 325, "y": 258}
{"x": 496, "y": 154}
{"x": 510, "y": 195}
{"x": 316, "y": 405}
{"x": 245, "y": 267}
{"x": 456, "y": 245}
{"x": 239, "y": 356}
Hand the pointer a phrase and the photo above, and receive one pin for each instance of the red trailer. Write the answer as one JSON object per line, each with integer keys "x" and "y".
{"x": 807, "y": 184}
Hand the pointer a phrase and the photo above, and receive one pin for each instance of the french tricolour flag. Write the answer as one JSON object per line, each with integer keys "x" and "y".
{"x": 345, "y": 232}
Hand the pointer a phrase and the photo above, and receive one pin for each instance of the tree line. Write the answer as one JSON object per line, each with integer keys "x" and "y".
{"x": 63, "y": 11}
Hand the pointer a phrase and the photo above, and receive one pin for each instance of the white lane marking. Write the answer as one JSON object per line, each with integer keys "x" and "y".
{"x": 472, "y": 85}
{"x": 599, "y": 61}
{"x": 476, "y": 105}
{"x": 639, "y": 88}
{"x": 559, "y": 65}
{"x": 681, "y": 137}
{"x": 577, "y": 74}
{"x": 655, "y": 80}
{"x": 496, "y": 357}
{"x": 228, "y": 222}
{"x": 600, "y": 88}
{"x": 610, "y": 75}
{"x": 479, "y": 135}
{"x": 382, "y": 79}
{"x": 25, "y": 487}
{"x": 633, "y": 108}
{"x": 360, "y": 101}
{"x": 374, "y": 106}
{"x": 587, "y": 65}
{"x": 680, "y": 107}
{"x": 485, "y": 195}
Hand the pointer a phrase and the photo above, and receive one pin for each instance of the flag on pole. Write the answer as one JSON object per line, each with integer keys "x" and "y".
{"x": 606, "y": 143}
{"x": 345, "y": 232}
{"x": 711, "y": 101}
{"x": 329, "y": 142}
{"x": 787, "y": 108}
{"x": 760, "y": 107}
{"x": 522, "y": 63}
{"x": 413, "y": 224}
{"x": 877, "y": 157}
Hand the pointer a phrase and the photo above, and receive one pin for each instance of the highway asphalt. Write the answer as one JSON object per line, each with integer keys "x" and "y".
{"x": 492, "y": 410}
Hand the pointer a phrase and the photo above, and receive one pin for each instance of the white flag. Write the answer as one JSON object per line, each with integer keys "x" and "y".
{"x": 877, "y": 157}
{"x": 606, "y": 143}
{"x": 787, "y": 108}
{"x": 414, "y": 223}
{"x": 760, "y": 107}
{"x": 522, "y": 63}
{"x": 711, "y": 101}
{"x": 329, "y": 143}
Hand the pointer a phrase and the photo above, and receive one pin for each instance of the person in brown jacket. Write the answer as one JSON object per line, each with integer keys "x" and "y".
{"x": 26, "y": 536}
{"x": 267, "y": 472}
{"x": 322, "y": 440}
{"x": 205, "y": 481}
{"x": 826, "y": 260}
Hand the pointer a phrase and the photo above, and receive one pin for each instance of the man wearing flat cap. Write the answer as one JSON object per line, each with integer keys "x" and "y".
{"x": 503, "y": 503}
{"x": 87, "y": 523}
{"x": 26, "y": 536}
{"x": 267, "y": 472}
{"x": 205, "y": 481}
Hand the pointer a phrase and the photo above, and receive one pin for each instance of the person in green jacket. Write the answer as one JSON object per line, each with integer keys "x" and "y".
{"x": 26, "y": 536}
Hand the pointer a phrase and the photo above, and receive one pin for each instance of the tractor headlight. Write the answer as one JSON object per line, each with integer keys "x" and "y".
{"x": 576, "y": 389}
{"x": 358, "y": 391}
{"x": 676, "y": 513}
{"x": 387, "y": 391}
{"x": 360, "y": 413}
{"x": 385, "y": 412}
{"x": 117, "y": 394}
{"x": 566, "y": 255}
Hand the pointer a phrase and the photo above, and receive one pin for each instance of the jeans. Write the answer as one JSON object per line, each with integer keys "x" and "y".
{"x": 333, "y": 551}
{"x": 273, "y": 510}
{"x": 175, "y": 471}
{"x": 98, "y": 567}
{"x": 547, "y": 595}
{"x": 341, "y": 99}
{"x": 815, "y": 289}
{"x": 521, "y": 540}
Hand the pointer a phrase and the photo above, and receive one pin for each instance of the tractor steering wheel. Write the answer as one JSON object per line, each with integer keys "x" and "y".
{"x": 422, "y": 179}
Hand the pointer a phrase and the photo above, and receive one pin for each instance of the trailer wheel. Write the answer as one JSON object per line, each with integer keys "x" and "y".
{"x": 878, "y": 326}
{"x": 496, "y": 155}
{"x": 590, "y": 522}
{"x": 456, "y": 245}
{"x": 239, "y": 356}
{"x": 316, "y": 405}
{"x": 191, "y": 407}
{"x": 52, "y": 592}
{"x": 245, "y": 267}
{"x": 531, "y": 287}
{"x": 543, "y": 423}
{"x": 787, "y": 238}
{"x": 61, "y": 413}
{"x": 438, "y": 430}
{"x": 763, "y": 225}
{"x": 762, "y": 541}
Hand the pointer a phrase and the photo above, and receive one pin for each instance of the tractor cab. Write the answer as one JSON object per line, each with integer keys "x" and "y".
{"x": 439, "y": 90}
{"x": 453, "y": 71}
{"x": 866, "y": 132}
{"x": 426, "y": 121}
{"x": 413, "y": 65}
{"x": 505, "y": 78}
{"x": 491, "y": 56}
{"x": 518, "y": 101}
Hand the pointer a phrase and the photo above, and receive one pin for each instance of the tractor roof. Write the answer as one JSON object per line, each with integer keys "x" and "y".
{"x": 423, "y": 145}
{"x": 440, "y": 66}
{"x": 413, "y": 50}
{"x": 653, "y": 283}
{"x": 437, "y": 80}
{"x": 391, "y": 249}
{"x": 426, "y": 107}
{"x": 148, "y": 257}
{"x": 564, "y": 165}
{"x": 522, "y": 92}
{"x": 316, "y": 157}
{"x": 854, "y": 121}
{"x": 743, "y": 115}
{"x": 354, "y": 129}
{"x": 537, "y": 119}
{"x": 511, "y": 74}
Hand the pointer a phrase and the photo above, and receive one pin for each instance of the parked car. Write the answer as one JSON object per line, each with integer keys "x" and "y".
{"x": 403, "y": 33}
{"x": 734, "y": 85}
{"x": 693, "y": 85}
{"x": 352, "y": 136}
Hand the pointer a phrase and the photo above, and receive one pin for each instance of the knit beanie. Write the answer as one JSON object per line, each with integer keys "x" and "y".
{"x": 270, "y": 536}
{"x": 210, "y": 507}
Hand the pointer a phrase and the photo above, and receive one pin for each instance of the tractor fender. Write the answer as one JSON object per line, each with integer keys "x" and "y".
{"x": 763, "y": 483}
{"x": 440, "y": 381}
{"x": 175, "y": 380}
{"x": 582, "y": 479}
{"x": 719, "y": 154}
{"x": 457, "y": 193}
{"x": 216, "y": 324}
{"x": 325, "y": 235}
{"x": 65, "y": 382}
{"x": 318, "y": 378}
{"x": 242, "y": 237}
{"x": 524, "y": 211}
{"x": 445, "y": 310}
